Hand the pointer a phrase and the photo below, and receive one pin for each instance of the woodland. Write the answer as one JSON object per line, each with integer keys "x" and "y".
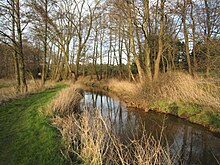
{"x": 125, "y": 39}
{"x": 158, "y": 56}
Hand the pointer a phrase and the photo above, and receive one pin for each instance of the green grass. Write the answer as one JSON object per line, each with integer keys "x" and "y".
{"x": 26, "y": 137}
{"x": 195, "y": 113}
{"x": 208, "y": 118}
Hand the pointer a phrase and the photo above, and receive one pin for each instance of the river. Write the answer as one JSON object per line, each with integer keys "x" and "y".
{"x": 192, "y": 143}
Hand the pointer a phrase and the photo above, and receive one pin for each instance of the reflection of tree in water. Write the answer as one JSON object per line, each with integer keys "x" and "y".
{"x": 190, "y": 143}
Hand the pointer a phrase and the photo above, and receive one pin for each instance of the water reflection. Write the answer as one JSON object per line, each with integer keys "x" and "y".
{"x": 193, "y": 144}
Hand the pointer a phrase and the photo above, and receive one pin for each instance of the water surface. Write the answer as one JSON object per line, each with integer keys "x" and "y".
{"x": 193, "y": 143}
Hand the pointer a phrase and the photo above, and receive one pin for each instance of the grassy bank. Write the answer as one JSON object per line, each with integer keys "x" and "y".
{"x": 26, "y": 137}
{"x": 194, "y": 99}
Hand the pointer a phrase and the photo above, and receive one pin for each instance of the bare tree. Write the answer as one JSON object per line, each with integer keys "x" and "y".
{"x": 43, "y": 75}
{"x": 160, "y": 41}
{"x": 132, "y": 42}
{"x": 195, "y": 65}
{"x": 184, "y": 14}
{"x": 208, "y": 37}
{"x": 146, "y": 30}
{"x": 14, "y": 46}
{"x": 20, "y": 48}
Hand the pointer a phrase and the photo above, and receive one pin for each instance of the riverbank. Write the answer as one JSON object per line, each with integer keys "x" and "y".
{"x": 194, "y": 99}
{"x": 88, "y": 138}
{"x": 26, "y": 136}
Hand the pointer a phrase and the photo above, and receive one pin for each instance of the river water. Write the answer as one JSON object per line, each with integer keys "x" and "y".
{"x": 192, "y": 143}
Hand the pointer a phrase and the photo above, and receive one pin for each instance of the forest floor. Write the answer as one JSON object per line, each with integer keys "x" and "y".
{"x": 26, "y": 136}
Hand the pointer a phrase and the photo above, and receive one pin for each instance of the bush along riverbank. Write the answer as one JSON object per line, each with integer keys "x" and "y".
{"x": 26, "y": 136}
{"x": 194, "y": 99}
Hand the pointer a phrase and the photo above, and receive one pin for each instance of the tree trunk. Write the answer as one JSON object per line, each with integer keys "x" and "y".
{"x": 101, "y": 51}
{"x": 160, "y": 43}
{"x": 127, "y": 47}
{"x": 20, "y": 50}
{"x": 186, "y": 37}
{"x": 77, "y": 61}
{"x": 95, "y": 55}
{"x": 208, "y": 37}
{"x": 195, "y": 65}
{"x": 120, "y": 45}
{"x": 43, "y": 74}
{"x": 136, "y": 59}
{"x": 109, "y": 54}
{"x": 15, "y": 54}
{"x": 146, "y": 46}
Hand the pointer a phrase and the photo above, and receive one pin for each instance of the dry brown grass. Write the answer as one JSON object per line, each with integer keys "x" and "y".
{"x": 131, "y": 93}
{"x": 174, "y": 87}
{"x": 124, "y": 87}
{"x": 89, "y": 139}
{"x": 67, "y": 101}
{"x": 8, "y": 90}
{"x": 84, "y": 136}
{"x": 183, "y": 87}
{"x": 76, "y": 130}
